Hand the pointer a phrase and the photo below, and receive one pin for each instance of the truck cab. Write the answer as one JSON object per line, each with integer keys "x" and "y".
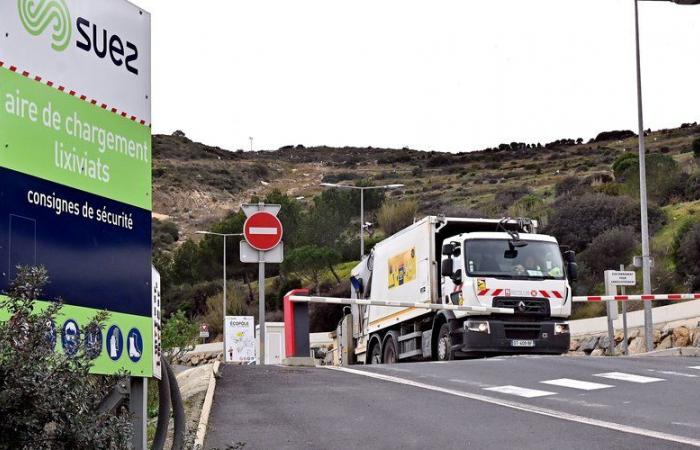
{"x": 526, "y": 272}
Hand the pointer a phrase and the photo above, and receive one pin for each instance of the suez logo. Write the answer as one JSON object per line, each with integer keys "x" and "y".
{"x": 38, "y": 15}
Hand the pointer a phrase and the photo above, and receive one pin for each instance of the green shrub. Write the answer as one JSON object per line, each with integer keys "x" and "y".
{"x": 49, "y": 400}
{"x": 687, "y": 256}
{"x": 395, "y": 216}
{"x": 179, "y": 335}
{"x": 696, "y": 147}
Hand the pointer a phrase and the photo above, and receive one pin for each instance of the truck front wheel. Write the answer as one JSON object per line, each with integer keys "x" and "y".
{"x": 444, "y": 344}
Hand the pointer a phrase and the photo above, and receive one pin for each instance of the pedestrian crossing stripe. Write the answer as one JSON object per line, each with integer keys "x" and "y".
{"x": 577, "y": 384}
{"x": 520, "y": 391}
{"x": 628, "y": 377}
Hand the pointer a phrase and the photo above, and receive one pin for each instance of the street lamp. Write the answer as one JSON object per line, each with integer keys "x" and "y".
{"x": 362, "y": 190}
{"x": 646, "y": 269}
{"x": 224, "y": 235}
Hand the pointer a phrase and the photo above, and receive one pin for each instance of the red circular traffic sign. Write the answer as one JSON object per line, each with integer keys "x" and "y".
{"x": 263, "y": 231}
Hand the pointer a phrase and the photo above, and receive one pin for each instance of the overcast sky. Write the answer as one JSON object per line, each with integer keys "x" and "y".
{"x": 450, "y": 75}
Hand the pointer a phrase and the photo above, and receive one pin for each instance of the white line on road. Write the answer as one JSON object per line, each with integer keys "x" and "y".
{"x": 528, "y": 408}
{"x": 694, "y": 367}
{"x": 519, "y": 391}
{"x": 262, "y": 230}
{"x": 628, "y": 377}
{"x": 577, "y": 384}
{"x": 671, "y": 372}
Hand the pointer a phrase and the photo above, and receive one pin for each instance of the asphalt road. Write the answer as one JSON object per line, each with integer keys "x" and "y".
{"x": 499, "y": 403}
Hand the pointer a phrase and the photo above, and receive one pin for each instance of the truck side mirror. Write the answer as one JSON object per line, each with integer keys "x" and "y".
{"x": 447, "y": 268}
{"x": 570, "y": 256}
{"x": 457, "y": 251}
{"x": 572, "y": 271}
{"x": 447, "y": 249}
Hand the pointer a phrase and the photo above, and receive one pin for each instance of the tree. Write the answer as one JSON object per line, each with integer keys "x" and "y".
{"x": 576, "y": 221}
{"x": 664, "y": 176}
{"x": 179, "y": 336}
{"x": 49, "y": 400}
{"x": 609, "y": 249}
{"x": 395, "y": 216}
{"x": 310, "y": 261}
{"x": 696, "y": 147}
{"x": 687, "y": 256}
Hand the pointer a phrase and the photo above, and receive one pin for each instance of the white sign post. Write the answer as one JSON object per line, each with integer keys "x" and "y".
{"x": 263, "y": 243}
{"x": 613, "y": 279}
{"x": 240, "y": 339}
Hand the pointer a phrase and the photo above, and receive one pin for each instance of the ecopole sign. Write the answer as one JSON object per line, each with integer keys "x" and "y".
{"x": 75, "y": 169}
{"x": 263, "y": 244}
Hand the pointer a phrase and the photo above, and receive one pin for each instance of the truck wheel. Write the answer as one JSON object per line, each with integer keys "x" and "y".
{"x": 444, "y": 344}
{"x": 390, "y": 350}
{"x": 375, "y": 356}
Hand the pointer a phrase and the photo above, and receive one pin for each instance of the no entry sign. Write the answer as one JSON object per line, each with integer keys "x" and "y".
{"x": 263, "y": 231}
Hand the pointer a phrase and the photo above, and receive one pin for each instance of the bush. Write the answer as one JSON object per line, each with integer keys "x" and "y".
{"x": 692, "y": 187}
{"x": 47, "y": 399}
{"x": 532, "y": 207}
{"x": 179, "y": 336}
{"x": 687, "y": 256}
{"x": 509, "y": 195}
{"x": 570, "y": 186}
{"x": 396, "y": 216}
{"x": 696, "y": 147}
{"x": 609, "y": 249}
{"x": 665, "y": 181}
{"x": 576, "y": 221}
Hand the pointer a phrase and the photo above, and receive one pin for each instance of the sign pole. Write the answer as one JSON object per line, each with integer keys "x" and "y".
{"x": 624, "y": 319}
{"x": 261, "y": 300}
{"x": 138, "y": 402}
{"x": 610, "y": 289}
{"x": 224, "y": 312}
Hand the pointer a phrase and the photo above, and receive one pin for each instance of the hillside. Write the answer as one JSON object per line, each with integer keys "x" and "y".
{"x": 196, "y": 185}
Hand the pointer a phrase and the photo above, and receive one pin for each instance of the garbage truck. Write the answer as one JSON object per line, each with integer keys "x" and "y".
{"x": 493, "y": 263}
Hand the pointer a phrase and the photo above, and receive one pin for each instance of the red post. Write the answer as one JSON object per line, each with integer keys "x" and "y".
{"x": 289, "y": 323}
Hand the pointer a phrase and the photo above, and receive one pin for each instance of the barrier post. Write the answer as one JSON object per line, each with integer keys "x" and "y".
{"x": 296, "y": 326}
{"x": 625, "y": 350}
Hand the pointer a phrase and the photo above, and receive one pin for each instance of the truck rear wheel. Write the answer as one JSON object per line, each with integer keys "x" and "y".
{"x": 375, "y": 356}
{"x": 444, "y": 344}
{"x": 390, "y": 350}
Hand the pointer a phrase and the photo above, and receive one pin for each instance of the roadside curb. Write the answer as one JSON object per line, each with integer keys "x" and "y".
{"x": 206, "y": 408}
{"x": 677, "y": 351}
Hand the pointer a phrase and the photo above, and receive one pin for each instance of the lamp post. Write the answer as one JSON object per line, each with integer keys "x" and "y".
{"x": 224, "y": 235}
{"x": 362, "y": 190}
{"x": 646, "y": 262}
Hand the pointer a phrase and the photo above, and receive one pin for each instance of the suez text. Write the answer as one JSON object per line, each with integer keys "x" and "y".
{"x": 102, "y": 43}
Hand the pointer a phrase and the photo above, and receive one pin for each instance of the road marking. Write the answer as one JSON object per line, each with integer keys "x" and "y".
{"x": 527, "y": 408}
{"x": 519, "y": 391}
{"x": 577, "y": 384}
{"x": 628, "y": 377}
{"x": 263, "y": 230}
{"x": 694, "y": 367}
{"x": 671, "y": 372}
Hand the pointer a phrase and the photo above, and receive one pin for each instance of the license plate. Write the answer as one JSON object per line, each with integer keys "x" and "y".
{"x": 522, "y": 343}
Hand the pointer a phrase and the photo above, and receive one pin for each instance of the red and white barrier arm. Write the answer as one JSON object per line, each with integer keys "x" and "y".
{"x": 433, "y": 306}
{"x": 625, "y": 298}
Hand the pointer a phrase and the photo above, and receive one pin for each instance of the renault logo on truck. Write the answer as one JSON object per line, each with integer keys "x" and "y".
{"x": 38, "y": 15}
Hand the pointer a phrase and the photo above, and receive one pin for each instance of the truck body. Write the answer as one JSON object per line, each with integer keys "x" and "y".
{"x": 456, "y": 261}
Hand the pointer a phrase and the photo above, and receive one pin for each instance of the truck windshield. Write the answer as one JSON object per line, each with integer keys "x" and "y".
{"x": 499, "y": 258}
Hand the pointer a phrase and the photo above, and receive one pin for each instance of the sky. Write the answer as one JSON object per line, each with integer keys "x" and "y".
{"x": 448, "y": 75}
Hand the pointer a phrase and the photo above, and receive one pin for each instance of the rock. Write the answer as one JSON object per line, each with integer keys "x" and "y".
{"x": 573, "y": 346}
{"x": 195, "y": 360}
{"x": 598, "y": 352}
{"x": 619, "y": 336}
{"x": 604, "y": 342}
{"x": 577, "y": 354}
{"x": 588, "y": 344}
{"x": 657, "y": 335}
{"x": 681, "y": 337}
{"x": 636, "y": 346}
{"x": 696, "y": 338}
{"x": 665, "y": 343}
